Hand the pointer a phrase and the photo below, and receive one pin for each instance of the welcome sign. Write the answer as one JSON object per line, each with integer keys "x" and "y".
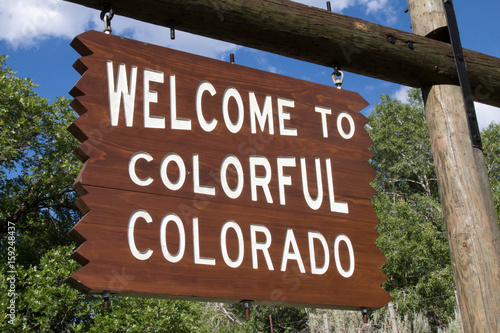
{"x": 212, "y": 181}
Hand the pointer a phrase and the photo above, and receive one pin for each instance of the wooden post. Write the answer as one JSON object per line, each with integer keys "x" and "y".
{"x": 393, "y": 318}
{"x": 468, "y": 208}
{"x": 327, "y": 325}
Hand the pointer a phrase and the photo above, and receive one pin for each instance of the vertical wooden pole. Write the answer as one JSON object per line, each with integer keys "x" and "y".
{"x": 327, "y": 325}
{"x": 468, "y": 208}
{"x": 393, "y": 318}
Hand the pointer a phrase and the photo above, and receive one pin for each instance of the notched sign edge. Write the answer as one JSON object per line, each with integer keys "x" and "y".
{"x": 84, "y": 152}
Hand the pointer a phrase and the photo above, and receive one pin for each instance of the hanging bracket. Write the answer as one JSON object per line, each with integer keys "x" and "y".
{"x": 171, "y": 24}
{"x": 107, "y": 14}
{"x": 337, "y": 76}
{"x": 107, "y": 301}
{"x": 463, "y": 77}
{"x": 247, "y": 304}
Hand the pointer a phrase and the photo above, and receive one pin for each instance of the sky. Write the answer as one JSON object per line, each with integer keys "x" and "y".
{"x": 36, "y": 34}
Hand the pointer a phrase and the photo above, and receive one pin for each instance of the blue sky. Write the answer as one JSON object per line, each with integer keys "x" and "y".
{"x": 36, "y": 36}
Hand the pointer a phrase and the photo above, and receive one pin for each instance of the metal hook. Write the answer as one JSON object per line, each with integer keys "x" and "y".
{"x": 172, "y": 29}
{"x": 107, "y": 14}
{"x": 337, "y": 77}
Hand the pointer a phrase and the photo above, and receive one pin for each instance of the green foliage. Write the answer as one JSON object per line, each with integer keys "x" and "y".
{"x": 412, "y": 231}
{"x": 46, "y": 304}
{"x": 128, "y": 314}
{"x": 219, "y": 317}
{"x": 285, "y": 319}
{"x": 37, "y": 167}
{"x": 379, "y": 321}
{"x": 401, "y": 147}
{"x": 491, "y": 149}
{"x": 418, "y": 268}
{"x": 37, "y": 170}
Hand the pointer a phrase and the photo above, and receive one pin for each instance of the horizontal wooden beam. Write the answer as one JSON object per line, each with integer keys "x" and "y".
{"x": 318, "y": 36}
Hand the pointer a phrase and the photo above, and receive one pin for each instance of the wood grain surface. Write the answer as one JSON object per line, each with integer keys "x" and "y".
{"x": 321, "y": 37}
{"x": 109, "y": 196}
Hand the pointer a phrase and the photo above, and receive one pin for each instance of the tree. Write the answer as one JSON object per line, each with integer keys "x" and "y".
{"x": 401, "y": 148}
{"x": 412, "y": 231}
{"x": 491, "y": 149}
{"x": 37, "y": 168}
{"x": 46, "y": 304}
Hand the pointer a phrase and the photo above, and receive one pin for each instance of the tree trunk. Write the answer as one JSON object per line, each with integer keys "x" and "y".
{"x": 468, "y": 208}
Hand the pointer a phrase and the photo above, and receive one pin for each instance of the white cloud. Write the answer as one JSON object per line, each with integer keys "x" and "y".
{"x": 374, "y": 5}
{"x": 159, "y": 35}
{"x": 25, "y": 23}
{"x": 486, "y": 114}
{"x": 380, "y": 11}
{"x": 337, "y": 5}
{"x": 402, "y": 94}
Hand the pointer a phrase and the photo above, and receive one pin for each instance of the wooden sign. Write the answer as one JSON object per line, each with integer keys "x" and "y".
{"x": 212, "y": 181}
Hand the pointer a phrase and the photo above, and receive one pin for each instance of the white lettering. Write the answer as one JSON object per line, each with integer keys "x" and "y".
{"x": 176, "y": 123}
{"x": 196, "y": 244}
{"x": 197, "y": 188}
{"x": 282, "y": 116}
{"x": 346, "y": 239}
{"x": 231, "y": 160}
{"x": 324, "y": 112}
{"x": 260, "y": 181}
{"x": 223, "y": 244}
{"x": 173, "y": 157}
{"x": 151, "y": 96}
{"x": 295, "y": 255}
{"x": 313, "y": 203}
{"x": 264, "y": 247}
{"x": 163, "y": 238}
{"x": 144, "y": 255}
{"x": 131, "y": 168}
{"x": 266, "y": 113}
{"x": 207, "y": 126}
{"x": 232, "y": 92}
{"x": 342, "y": 133}
{"x": 339, "y": 207}
{"x": 312, "y": 235}
{"x": 282, "y": 178}
{"x": 115, "y": 95}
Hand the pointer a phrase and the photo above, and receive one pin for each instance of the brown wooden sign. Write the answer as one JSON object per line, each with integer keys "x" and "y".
{"x": 212, "y": 181}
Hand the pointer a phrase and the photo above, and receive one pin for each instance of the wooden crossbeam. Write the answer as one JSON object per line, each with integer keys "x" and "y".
{"x": 318, "y": 36}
